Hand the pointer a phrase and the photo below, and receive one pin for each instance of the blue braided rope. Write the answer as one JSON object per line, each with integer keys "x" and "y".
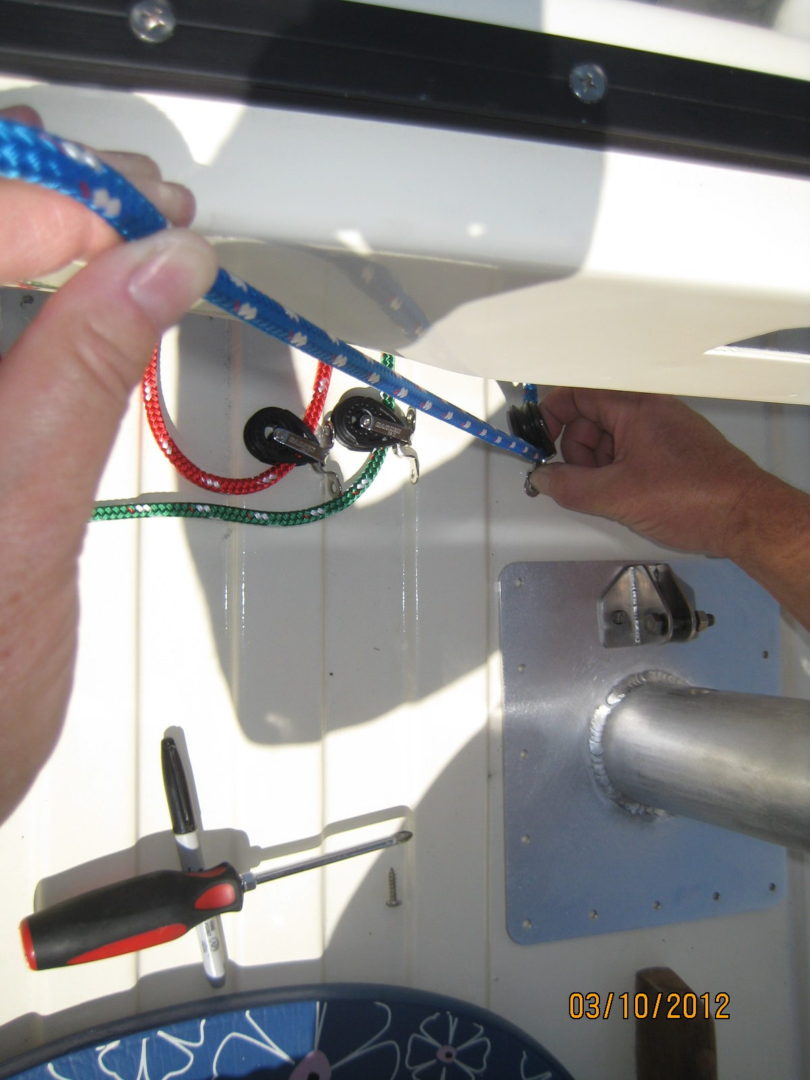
{"x": 40, "y": 158}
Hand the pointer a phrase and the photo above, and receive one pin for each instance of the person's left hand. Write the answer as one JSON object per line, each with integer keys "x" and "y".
{"x": 64, "y": 386}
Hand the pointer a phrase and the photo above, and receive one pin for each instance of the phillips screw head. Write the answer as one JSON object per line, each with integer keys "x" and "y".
{"x": 588, "y": 82}
{"x": 152, "y": 21}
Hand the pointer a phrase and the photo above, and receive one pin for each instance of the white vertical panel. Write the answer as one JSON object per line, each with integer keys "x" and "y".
{"x": 407, "y": 708}
{"x": 276, "y": 647}
{"x": 369, "y": 595}
{"x": 449, "y": 747}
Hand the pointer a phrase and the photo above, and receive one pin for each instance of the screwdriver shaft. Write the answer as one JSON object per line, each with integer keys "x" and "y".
{"x": 250, "y": 880}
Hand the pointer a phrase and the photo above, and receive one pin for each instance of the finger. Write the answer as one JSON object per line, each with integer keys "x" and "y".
{"x": 579, "y": 442}
{"x": 576, "y": 487}
{"x": 605, "y": 451}
{"x": 65, "y": 384}
{"x": 174, "y": 201}
{"x": 133, "y": 166}
{"x": 553, "y": 407}
{"x": 23, "y": 114}
{"x": 605, "y": 408}
{"x": 45, "y": 230}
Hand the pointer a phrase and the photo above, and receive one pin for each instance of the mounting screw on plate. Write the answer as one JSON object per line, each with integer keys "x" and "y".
{"x": 152, "y": 20}
{"x": 588, "y": 82}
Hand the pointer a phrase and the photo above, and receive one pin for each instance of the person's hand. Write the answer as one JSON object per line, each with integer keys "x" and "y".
{"x": 64, "y": 386}
{"x": 44, "y": 231}
{"x": 652, "y": 464}
{"x": 656, "y": 466}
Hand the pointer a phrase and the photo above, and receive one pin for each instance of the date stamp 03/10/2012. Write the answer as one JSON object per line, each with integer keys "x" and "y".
{"x": 669, "y": 1005}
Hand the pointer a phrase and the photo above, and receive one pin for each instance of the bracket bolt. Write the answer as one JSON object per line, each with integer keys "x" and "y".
{"x": 152, "y": 21}
{"x": 655, "y": 622}
{"x": 588, "y": 82}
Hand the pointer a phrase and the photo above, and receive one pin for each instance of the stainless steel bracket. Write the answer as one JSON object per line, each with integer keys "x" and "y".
{"x": 578, "y": 864}
{"x": 647, "y": 604}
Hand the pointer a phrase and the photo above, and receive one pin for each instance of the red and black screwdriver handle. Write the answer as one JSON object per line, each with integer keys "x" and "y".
{"x": 128, "y": 915}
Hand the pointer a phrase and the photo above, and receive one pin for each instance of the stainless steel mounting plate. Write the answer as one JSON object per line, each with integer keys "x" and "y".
{"x": 576, "y": 863}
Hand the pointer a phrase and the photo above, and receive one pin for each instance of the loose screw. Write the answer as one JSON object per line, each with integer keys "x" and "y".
{"x": 393, "y": 900}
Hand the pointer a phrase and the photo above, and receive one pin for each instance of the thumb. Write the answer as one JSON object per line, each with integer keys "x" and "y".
{"x": 66, "y": 382}
{"x": 578, "y": 487}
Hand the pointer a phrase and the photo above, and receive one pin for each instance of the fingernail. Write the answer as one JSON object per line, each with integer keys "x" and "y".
{"x": 174, "y": 268}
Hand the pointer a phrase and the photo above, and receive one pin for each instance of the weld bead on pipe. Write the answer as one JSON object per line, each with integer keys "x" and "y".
{"x": 741, "y": 761}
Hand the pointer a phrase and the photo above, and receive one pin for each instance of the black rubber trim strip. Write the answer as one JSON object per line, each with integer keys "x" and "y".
{"x": 358, "y": 59}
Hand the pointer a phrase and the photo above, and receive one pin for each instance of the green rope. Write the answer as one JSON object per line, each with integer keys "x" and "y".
{"x": 243, "y": 515}
{"x": 128, "y": 511}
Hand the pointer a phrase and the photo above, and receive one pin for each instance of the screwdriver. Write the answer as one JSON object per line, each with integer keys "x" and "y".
{"x": 153, "y": 908}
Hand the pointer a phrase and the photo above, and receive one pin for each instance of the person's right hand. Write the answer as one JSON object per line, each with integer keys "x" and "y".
{"x": 651, "y": 463}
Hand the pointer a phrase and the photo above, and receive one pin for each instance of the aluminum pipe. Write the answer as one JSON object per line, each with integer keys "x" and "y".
{"x": 737, "y": 760}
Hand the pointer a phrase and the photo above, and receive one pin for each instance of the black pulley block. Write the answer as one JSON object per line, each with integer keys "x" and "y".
{"x": 363, "y": 420}
{"x": 279, "y": 437}
{"x": 526, "y": 421}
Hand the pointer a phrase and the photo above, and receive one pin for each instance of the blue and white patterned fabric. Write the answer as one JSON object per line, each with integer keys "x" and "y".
{"x": 349, "y": 1032}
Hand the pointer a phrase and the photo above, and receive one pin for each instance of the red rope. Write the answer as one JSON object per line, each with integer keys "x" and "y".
{"x": 210, "y": 481}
